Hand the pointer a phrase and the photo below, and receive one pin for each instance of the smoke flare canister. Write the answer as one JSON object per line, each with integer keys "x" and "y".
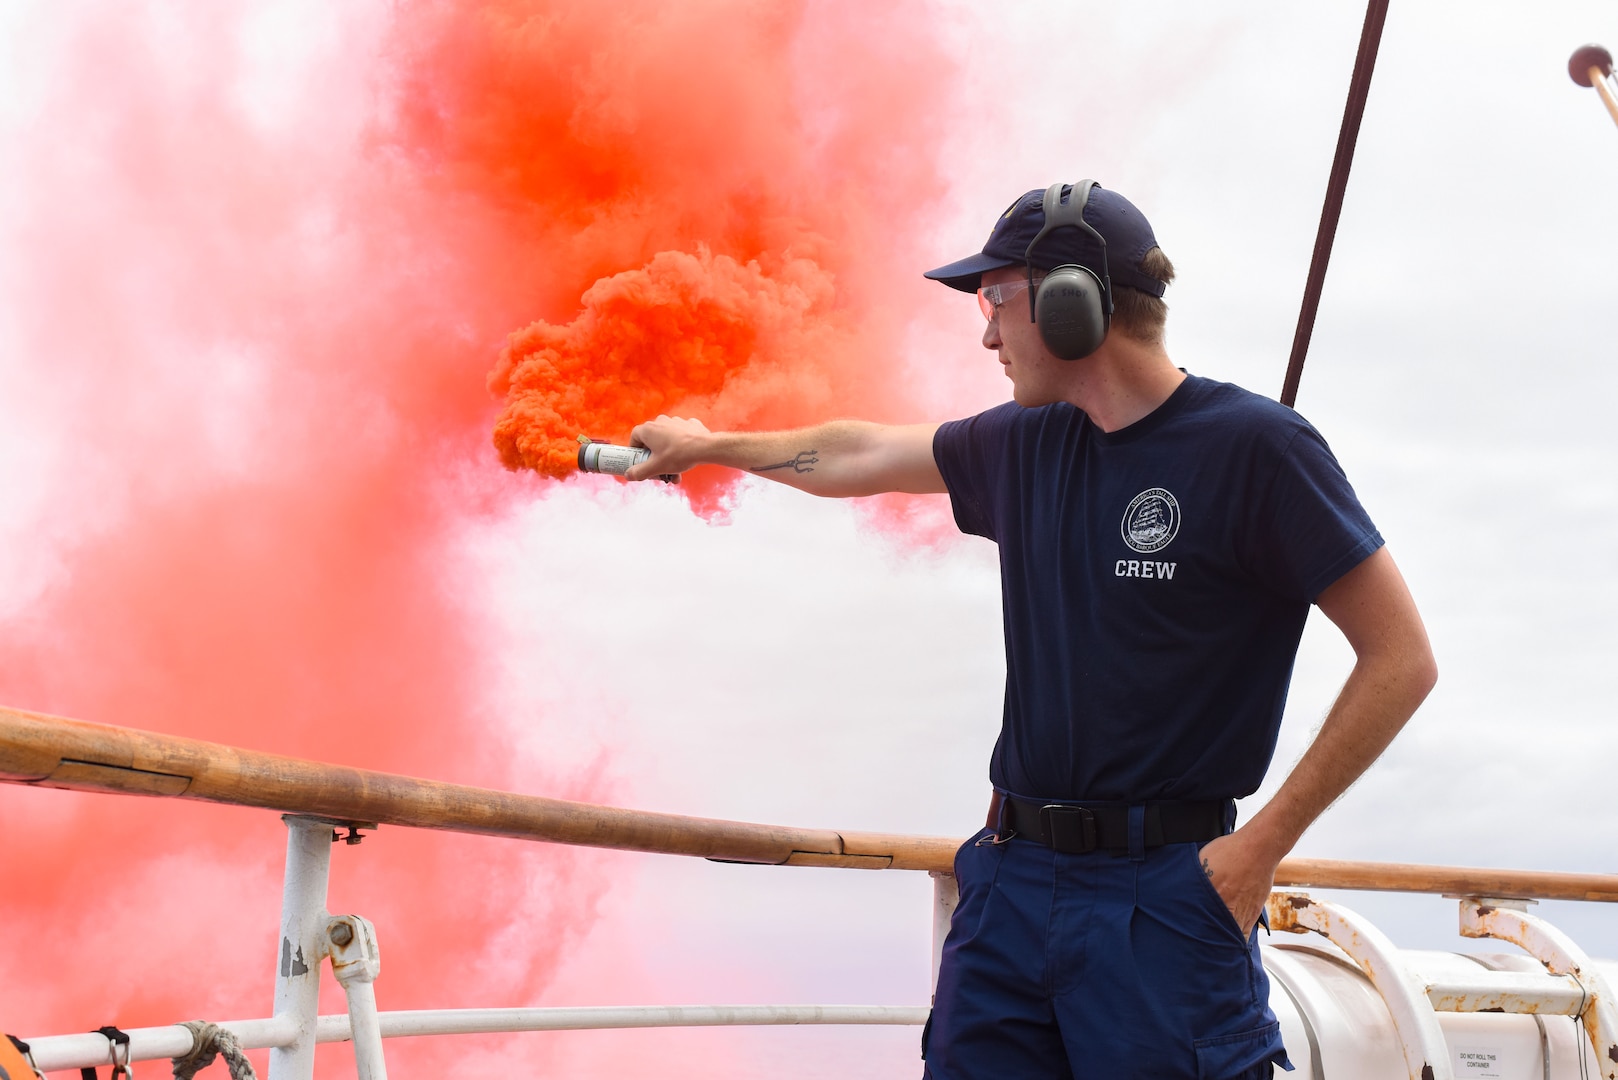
{"x": 599, "y": 457}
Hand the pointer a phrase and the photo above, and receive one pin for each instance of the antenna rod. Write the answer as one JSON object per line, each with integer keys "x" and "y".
{"x": 1358, "y": 88}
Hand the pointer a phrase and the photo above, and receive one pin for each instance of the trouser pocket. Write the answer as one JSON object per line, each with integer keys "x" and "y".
{"x": 1244, "y": 1055}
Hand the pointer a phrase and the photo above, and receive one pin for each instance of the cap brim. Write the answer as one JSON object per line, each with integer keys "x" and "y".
{"x": 967, "y": 274}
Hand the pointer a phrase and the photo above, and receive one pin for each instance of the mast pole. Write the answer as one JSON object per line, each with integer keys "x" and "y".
{"x": 1359, "y": 87}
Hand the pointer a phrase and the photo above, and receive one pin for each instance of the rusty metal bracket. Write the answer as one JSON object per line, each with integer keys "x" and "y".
{"x": 1483, "y": 918}
{"x": 1570, "y": 986}
{"x": 1425, "y": 1051}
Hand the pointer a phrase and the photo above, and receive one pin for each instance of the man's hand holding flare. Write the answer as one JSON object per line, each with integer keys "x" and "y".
{"x": 676, "y": 445}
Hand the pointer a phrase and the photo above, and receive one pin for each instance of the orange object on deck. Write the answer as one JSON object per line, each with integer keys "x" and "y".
{"x": 13, "y": 1066}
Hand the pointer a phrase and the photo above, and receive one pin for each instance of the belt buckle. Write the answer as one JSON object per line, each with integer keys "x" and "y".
{"x": 1070, "y": 829}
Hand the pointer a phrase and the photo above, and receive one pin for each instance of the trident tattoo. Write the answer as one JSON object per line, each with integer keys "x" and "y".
{"x": 804, "y": 462}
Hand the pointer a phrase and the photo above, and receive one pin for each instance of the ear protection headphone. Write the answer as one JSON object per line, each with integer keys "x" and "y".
{"x": 1072, "y": 307}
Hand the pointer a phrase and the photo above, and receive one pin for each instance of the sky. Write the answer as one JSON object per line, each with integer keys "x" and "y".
{"x": 781, "y": 659}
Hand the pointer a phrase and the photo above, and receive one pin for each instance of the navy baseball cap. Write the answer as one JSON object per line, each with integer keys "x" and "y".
{"x": 1126, "y": 230}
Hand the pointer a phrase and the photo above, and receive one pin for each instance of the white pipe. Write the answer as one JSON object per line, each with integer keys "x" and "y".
{"x": 366, "y": 1030}
{"x": 53, "y": 1052}
{"x": 488, "y": 1021}
{"x": 473, "y": 1021}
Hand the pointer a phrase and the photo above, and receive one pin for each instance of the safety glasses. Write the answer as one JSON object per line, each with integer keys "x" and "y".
{"x": 990, "y": 297}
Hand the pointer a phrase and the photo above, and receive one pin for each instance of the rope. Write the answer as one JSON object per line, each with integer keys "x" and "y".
{"x": 207, "y": 1042}
{"x": 1358, "y": 88}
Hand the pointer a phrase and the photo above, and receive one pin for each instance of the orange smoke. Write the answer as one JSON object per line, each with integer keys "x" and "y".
{"x": 746, "y": 237}
{"x": 267, "y": 268}
{"x": 692, "y": 334}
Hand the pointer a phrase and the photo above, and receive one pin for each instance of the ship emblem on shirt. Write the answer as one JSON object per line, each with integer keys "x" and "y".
{"x": 1152, "y": 520}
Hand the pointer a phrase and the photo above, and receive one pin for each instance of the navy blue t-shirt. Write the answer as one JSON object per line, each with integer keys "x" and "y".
{"x": 1155, "y": 582}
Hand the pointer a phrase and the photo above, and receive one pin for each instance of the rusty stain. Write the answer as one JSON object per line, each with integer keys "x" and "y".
{"x": 1426, "y": 1072}
{"x": 1485, "y": 909}
{"x": 1612, "y": 1052}
{"x": 1463, "y": 1003}
{"x": 1286, "y": 914}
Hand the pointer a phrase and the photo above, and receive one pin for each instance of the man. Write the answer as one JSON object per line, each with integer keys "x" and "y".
{"x": 1161, "y": 539}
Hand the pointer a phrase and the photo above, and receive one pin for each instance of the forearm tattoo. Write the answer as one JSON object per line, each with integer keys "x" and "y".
{"x": 804, "y": 462}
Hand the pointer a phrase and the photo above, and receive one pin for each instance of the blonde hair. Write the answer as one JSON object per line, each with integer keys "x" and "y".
{"x": 1138, "y": 314}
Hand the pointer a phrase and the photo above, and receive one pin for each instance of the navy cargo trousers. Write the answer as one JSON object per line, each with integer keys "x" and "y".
{"x": 1096, "y": 967}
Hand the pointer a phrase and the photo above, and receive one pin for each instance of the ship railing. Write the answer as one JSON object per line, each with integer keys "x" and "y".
{"x": 321, "y": 803}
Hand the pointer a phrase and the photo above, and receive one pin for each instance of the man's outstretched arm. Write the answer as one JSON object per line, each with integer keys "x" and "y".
{"x": 1393, "y": 672}
{"x": 841, "y": 459}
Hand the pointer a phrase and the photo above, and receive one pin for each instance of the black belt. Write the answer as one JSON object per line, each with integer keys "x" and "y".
{"x": 1078, "y": 828}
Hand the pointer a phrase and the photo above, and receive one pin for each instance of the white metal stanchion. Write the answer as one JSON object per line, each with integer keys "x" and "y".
{"x": 302, "y": 944}
{"x": 946, "y": 894}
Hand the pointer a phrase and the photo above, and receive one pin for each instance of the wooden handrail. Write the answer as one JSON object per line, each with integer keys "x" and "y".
{"x": 48, "y": 751}
{"x": 1446, "y": 880}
